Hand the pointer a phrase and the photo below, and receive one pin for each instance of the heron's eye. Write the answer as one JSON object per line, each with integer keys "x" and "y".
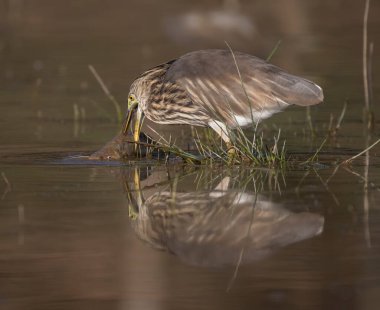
{"x": 131, "y": 100}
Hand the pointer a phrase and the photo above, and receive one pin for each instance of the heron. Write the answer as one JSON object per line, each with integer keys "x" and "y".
{"x": 220, "y": 89}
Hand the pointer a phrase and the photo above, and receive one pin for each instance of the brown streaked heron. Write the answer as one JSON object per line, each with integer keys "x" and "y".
{"x": 216, "y": 88}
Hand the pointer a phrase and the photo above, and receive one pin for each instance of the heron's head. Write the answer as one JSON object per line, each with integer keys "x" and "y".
{"x": 134, "y": 108}
{"x": 133, "y": 102}
{"x": 137, "y": 99}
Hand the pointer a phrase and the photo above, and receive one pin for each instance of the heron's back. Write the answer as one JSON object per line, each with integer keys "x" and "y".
{"x": 239, "y": 85}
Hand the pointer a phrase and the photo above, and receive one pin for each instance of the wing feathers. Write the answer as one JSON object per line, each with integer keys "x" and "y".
{"x": 211, "y": 79}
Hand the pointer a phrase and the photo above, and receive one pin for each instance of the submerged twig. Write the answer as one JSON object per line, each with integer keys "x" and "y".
{"x": 312, "y": 158}
{"x": 327, "y": 188}
{"x": 361, "y": 178}
{"x": 361, "y": 153}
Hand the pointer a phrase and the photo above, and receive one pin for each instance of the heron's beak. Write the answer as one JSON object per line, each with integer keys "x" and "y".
{"x": 138, "y": 124}
{"x": 131, "y": 111}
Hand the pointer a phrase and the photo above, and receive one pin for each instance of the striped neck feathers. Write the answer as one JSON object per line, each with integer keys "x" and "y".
{"x": 149, "y": 84}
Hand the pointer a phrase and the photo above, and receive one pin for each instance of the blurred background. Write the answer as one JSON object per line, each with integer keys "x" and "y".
{"x": 46, "y": 47}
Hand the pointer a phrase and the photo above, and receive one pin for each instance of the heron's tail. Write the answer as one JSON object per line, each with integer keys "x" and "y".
{"x": 298, "y": 91}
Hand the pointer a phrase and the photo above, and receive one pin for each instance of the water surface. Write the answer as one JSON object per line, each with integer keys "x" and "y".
{"x": 124, "y": 235}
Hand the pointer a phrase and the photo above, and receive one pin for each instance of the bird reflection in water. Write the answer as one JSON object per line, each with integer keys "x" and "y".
{"x": 214, "y": 225}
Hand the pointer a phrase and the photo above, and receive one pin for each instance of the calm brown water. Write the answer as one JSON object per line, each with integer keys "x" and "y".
{"x": 90, "y": 235}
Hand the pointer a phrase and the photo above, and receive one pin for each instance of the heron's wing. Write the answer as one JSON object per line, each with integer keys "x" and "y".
{"x": 211, "y": 79}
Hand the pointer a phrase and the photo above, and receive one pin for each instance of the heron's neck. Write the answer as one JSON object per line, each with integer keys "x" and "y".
{"x": 151, "y": 84}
